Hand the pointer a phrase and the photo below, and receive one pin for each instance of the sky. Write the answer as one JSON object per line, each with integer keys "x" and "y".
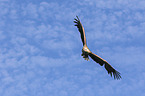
{"x": 40, "y": 48}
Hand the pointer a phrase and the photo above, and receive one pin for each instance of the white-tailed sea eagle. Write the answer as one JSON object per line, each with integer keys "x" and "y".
{"x": 86, "y": 52}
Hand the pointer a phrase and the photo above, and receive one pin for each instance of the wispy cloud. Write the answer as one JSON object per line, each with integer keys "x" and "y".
{"x": 40, "y": 48}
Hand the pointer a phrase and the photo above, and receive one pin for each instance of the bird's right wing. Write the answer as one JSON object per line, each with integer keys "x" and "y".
{"x": 108, "y": 67}
{"x": 81, "y": 30}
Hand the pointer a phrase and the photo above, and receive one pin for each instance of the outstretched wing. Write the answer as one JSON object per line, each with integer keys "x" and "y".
{"x": 108, "y": 67}
{"x": 81, "y": 29}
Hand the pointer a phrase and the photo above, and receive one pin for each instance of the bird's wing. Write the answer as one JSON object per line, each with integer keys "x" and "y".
{"x": 108, "y": 67}
{"x": 81, "y": 29}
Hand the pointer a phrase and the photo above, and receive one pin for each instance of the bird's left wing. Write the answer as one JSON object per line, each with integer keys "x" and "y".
{"x": 108, "y": 67}
{"x": 81, "y": 29}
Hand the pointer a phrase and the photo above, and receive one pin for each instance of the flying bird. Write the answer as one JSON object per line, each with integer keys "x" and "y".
{"x": 86, "y": 52}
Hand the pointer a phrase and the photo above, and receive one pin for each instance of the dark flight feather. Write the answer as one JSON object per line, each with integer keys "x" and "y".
{"x": 108, "y": 67}
{"x": 81, "y": 29}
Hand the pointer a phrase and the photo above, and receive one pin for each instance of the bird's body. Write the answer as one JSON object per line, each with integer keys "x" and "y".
{"x": 86, "y": 52}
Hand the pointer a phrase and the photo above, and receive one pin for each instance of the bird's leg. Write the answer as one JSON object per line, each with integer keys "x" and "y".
{"x": 85, "y": 56}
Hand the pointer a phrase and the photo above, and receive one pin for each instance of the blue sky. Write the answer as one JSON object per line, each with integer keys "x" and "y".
{"x": 40, "y": 48}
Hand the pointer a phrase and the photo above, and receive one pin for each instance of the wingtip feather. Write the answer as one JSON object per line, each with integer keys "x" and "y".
{"x": 117, "y": 75}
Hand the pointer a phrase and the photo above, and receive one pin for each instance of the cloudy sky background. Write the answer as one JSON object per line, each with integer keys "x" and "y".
{"x": 40, "y": 48}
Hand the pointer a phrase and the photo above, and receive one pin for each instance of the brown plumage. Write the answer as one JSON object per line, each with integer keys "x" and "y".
{"x": 86, "y": 52}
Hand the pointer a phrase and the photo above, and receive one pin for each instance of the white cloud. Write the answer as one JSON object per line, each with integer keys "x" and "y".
{"x": 30, "y": 11}
{"x": 2, "y": 35}
{"x": 41, "y": 48}
{"x": 117, "y": 4}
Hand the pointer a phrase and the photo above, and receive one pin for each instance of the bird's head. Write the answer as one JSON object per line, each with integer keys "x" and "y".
{"x": 86, "y": 49}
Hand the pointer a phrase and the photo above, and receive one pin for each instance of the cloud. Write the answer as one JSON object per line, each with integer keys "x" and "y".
{"x": 30, "y": 11}
{"x": 115, "y": 4}
{"x": 2, "y": 35}
{"x": 40, "y": 52}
